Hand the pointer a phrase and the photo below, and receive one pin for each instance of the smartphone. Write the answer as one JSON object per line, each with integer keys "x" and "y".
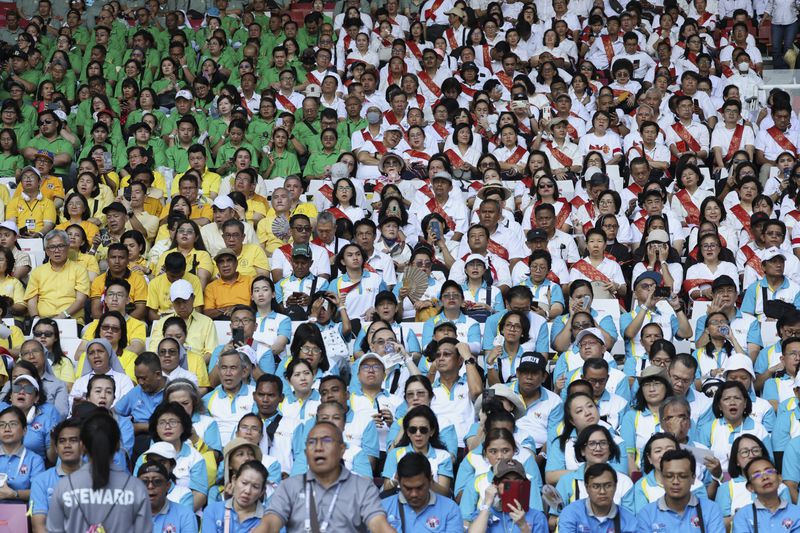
{"x": 105, "y": 237}
{"x": 586, "y": 300}
{"x": 107, "y": 163}
{"x": 663, "y": 292}
{"x": 127, "y": 194}
{"x": 436, "y": 228}
{"x": 517, "y": 489}
{"x": 237, "y": 335}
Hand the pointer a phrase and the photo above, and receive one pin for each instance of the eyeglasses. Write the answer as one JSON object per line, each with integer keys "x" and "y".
{"x": 185, "y": 231}
{"x": 372, "y": 368}
{"x": 709, "y": 246}
{"x": 423, "y": 264}
{"x": 767, "y": 472}
{"x": 241, "y": 321}
{"x": 231, "y": 235}
{"x": 677, "y": 380}
{"x": 652, "y": 385}
{"x": 45, "y": 334}
{"x": 152, "y": 482}
{"x": 602, "y": 487}
{"x": 14, "y": 424}
{"x": 110, "y": 328}
{"x": 545, "y": 186}
{"x": 168, "y": 423}
{"x": 27, "y": 388}
{"x": 597, "y": 444}
{"x": 589, "y": 343}
{"x": 513, "y": 326}
{"x": 56, "y": 247}
{"x": 325, "y": 441}
{"x": 450, "y": 296}
{"x": 755, "y": 451}
{"x": 597, "y": 381}
{"x": 169, "y": 351}
{"x": 422, "y": 430}
{"x": 46, "y": 122}
{"x": 310, "y": 350}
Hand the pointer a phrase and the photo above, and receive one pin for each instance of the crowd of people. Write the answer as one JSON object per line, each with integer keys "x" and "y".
{"x": 402, "y": 265}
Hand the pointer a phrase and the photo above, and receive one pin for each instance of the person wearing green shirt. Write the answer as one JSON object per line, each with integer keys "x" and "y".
{"x": 142, "y": 136}
{"x": 52, "y": 138}
{"x": 271, "y": 70}
{"x": 260, "y": 128}
{"x": 221, "y": 54}
{"x": 63, "y": 79}
{"x": 231, "y": 143}
{"x": 308, "y": 35}
{"x": 328, "y": 119}
{"x": 183, "y": 107}
{"x": 177, "y": 154}
{"x": 307, "y": 126}
{"x": 100, "y": 137}
{"x": 353, "y": 122}
{"x": 19, "y": 72}
{"x": 280, "y": 162}
{"x": 11, "y": 161}
{"x": 319, "y": 163}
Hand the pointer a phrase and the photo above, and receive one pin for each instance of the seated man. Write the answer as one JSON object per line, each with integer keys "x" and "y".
{"x": 232, "y": 288}
{"x": 158, "y": 291}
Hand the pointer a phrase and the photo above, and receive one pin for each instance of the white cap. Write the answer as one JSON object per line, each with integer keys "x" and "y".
{"x": 591, "y": 171}
{"x": 771, "y": 253}
{"x": 184, "y": 94}
{"x": 181, "y": 289}
{"x": 29, "y": 379}
{"x": 164, "y": 449}
{"x": 595, "y": 332}
{"x": 739, "y": 361}
{"x": 223, "y": 201}
{"x": 475, "y": 257}
{"x": 10, "y": 225}
{"x": 249, "y": 352}
{"x": 370, "y": 355}
{"x": 313, "y": 90}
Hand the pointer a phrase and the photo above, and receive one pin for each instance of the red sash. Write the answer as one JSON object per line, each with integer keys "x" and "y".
{"x": 608, "y": 47}
{"x": 469, "y": 91}
{"x": 441, "y": 130}
{"x": 450, "y": 36}
{"x": 338, "y": 213}
{"x": 430, "y": 84}
{"x": 691, "y": 284}
{"x": 322, "y": 245}
{"x": 497, "y": 249}
{"x": 287, "y": 252}
{"x": 349, "y": 288}
{"x": 552, "y": 277}
{"x": 727, "y": 71}
{"x": 505, "y": 79}
{"x": 704, "y": 18}
{"x": 692, "y": 212}
{"x": 584, "y": 267}
{"x": 571, "y": 131}
{"x": 516, "y": 157}
{"x": 431, "y": 12}
{"x": 743, "y": 217}
{"x": 454, "y": 158}
{"x": 392, "y": 119}
{"x": 736, "y": 140}
{"x": 688, "y": 140}
{"x": 781, "y": 139}
{"x": 560, "y": 156}
{"x": 621, "y": 94}
{"x": 419, "y": 155}
{"x": 563, "y": 213}
{"x": 286, "y": 103}
{"x": 378, "y": 144}
{"x": 413, "y": 47}
{"x": 641, "y": 221}
{"x": 487, "y": 58}
{"x": 327, "y": 191}
{"x": 434, "y": 207}
{"x": 310, "y": 78}
{"x": 752, "y": 259}
{"x": 635, "y": 188}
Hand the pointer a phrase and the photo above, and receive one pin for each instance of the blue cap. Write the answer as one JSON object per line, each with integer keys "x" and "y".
{"x": 655, "y": 276}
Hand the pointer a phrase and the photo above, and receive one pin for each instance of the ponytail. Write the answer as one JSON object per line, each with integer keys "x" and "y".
{"x": 101, "y": 436}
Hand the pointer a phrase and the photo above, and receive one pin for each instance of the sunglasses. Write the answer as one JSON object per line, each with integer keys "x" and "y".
{"x": 422, "y": 430}
{"x": 27, "y": 388}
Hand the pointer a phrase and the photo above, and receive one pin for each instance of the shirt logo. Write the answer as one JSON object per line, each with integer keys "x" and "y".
{"x": 787, "y": 524}
{"x": 23, "y": 470}
{"x": 695, "y": 521}
{"x": 433, "y": 522}
{"x": 36, "y": 426}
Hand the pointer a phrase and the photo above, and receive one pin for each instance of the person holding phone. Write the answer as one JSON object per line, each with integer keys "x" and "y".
{"x": 505, "y": 503}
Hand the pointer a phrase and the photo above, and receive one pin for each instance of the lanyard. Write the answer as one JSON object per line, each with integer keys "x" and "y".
{"x": 324, "y": 526}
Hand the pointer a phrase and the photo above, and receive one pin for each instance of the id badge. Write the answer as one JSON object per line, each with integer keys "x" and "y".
{"x": 30, "y": 223}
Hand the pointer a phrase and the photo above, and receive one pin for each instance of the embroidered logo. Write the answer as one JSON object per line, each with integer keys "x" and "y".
{"x": 433, "y": 522}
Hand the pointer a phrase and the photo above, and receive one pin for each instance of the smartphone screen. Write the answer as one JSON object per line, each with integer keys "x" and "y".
{"x": 237, "y": 335}
{"x": 519, "y": 490}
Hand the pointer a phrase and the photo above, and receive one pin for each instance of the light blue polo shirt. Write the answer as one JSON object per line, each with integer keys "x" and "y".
{"x": 174, "y": 517}
{"x": 42, "y": 487}
{"x": 656, "y": 517}
{"x": 21, "y": 466}
{"x": 441, "y": 515}
{"x": 578, "y": 517}
{"x": 138, "y": 404}
{"x": 785, "y": 518}
{"x": 606, "y": 324}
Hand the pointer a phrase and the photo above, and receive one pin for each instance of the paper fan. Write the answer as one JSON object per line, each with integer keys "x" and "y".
{"x": 416, "y": 281}
{"x": 280, "y": 227}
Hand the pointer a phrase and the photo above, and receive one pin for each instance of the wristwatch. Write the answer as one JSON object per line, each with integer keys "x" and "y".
{"x": 470, "y": 361}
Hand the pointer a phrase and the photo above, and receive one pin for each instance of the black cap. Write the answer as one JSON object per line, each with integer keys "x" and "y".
{"x": 153, "y": 467}
{"x": 385, "y": 296}
{"x": 443, "y": 324}
{"x": 536, "y": 234}
{"x": 722, "y": 281}
{"x": 19, "y": 53}
{"x": 532, "y": 362}
{"x": 598, "y": 178}
{"x": 758, "y": 218}
{"x": 469, "y": 64}
{"x": 390, "y": 218}
{"x": 114, "y": 207}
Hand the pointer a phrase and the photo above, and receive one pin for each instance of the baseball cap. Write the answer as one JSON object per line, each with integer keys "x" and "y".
{"x": 186, "y": 95}
{"x": 532, "y": 361}
{"x": 772, "y": 253}
{"x": 10, "y": 225}
{"x": 509, "y": 466}
{"x": 722, "y": 281}
{"x": 536, "y": 234}
{"x": 655, "y": 276}
{"x": 29, "y": 379}
{"x": 652, "y": 371}
{"x": 29, "y": 168}
{"x": 475, "y": 257}
{"x": 222, "y": 253}
{"x": 469, "y": 64}
{"x": 555, "y": 121}
{"x": 758, "y": 218}
{"x": 658, "y": 235}
{"x": 114, "y": 207}
{"x": 739, "y": 361}
{"x": 594, "y": 332}
{"x": 181, "y": 289}
{"x": 153, "y": 467}
{"x": 19, "y": 53}
{"x": 443, "y": 176}
{"x": 368, "y": 356}
{"x": 385, "y": 296}
{"x": 301, "y": 250}
{"x": 223, "y": 201}
{"x": 45, "y": 154}
{"x": 313, "y": 90}
{"x": 163, "y": 449}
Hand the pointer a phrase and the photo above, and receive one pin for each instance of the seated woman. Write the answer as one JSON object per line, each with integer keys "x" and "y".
{"x": 192, "y": 365}
{"x": 710, "y": 266}
{"x": 419, "y": 392}
{"x": 100, "y": 393}
{"x": 640, "y": 422}
{"x": 421, "y": 435}
{"x": 722, "y": 345}
{"x": 248, "y": 487}
{"x": 113, "y": 328}
{"x": 27, "y": 394}
{"x": 205, "y": 432}
{"x": 357, "y": 285}
{"x": 79, "y": 248}
{"x": 19, "y": 463}
{"x": 307, "y": 344}
{"x": 77, "y": 211}
{"x": 189, "y": 242}
{"x": 102, "y": 359}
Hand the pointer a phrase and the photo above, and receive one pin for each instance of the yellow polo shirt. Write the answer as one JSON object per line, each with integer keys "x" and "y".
{"x": 253, "y": 256}
{"x": 220, "y": 294}
{"x": 12, "y": 287}
{"x": 158, "y": 293}
{"x": 37, "y": 212}
{"x": 56, "y": 288}
{"x": 201, "y": 336}
{"x": 90, "y": 228}
{"x": 195, "y": 260}
{"x": 137, "y": 330}
{"x": 210, "y": 183}
{"x": 135, "y": 279}
{"x": 126, "y": 359}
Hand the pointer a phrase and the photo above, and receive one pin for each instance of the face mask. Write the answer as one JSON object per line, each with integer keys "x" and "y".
{"x": 373, "y": 117}
{"x": 744, "y": 66}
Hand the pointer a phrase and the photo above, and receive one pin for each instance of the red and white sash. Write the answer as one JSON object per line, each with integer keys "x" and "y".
{"x": 441, "y": 130}
{"x": 430, "y": 13}
{"x": 338, "y": 213}
{"x": 517, "y": 156}
{"x": 286, "y": 249}
{"x": 413, "y": 47}
{"x": 378, "y": 144}
{"x": 430, "y": 84}
{"x": 778, "y": 136}
{"x": 743, "y": 217}
{"x": 450, "y": 37}
{"x": 454, "y": 158}
{"x": 608, "y": 46}
{"x": 587, "y": 269}
{"x": 286, "y": 103}
{"x": 497, "y": 249}
{"x": 560, "y": 156}
{"x": 434, "y": 207}
{"x": 692, "y": 211}
{"x": 752, "y": 259}
{"x": 687, "y": 141}
{"x": 322, "y": 245}
{"x": 736, "y": 140}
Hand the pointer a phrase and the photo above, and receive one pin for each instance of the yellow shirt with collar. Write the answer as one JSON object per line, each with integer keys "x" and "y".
{"x": 201, "y": 336}
{"x": 38, "y": 211}
{"x": 253, "y": 256}
{"x": 201, "y": 257}
{"x": 135, "y": 279}
{"x": 137, "y": 330}
{"x": 56, "y": 288}
{"x": 209, "y": 184}
{"x": 158, "y": 292}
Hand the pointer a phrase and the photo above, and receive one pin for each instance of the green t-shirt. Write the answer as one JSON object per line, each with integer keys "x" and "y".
{"x": 9, "y": 164}
{"x": 58, "y": 146}
{"x": 317, "y": 162}
{"x": 285, "y": 165}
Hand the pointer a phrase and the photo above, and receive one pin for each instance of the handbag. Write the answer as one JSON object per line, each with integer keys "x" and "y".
{"x": 775, "y": 308}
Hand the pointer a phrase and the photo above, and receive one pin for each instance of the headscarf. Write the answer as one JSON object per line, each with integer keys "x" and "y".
{"x": 113, "y": 360}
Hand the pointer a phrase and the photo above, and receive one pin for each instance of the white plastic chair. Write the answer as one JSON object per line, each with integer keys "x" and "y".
{"x": 67, "y": 328}
{"x": 34, "y": 248}
{"x": 70, "y": 349}
{"x": 610, "y": 307}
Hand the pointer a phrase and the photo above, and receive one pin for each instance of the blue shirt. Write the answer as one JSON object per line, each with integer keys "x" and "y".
{"x": 606, "y": 324}
{"x": 656, "y": 517}
{"x": 214, "y": 519}
{"x": 491, "y": 329}
{"x": 755, "y": 292}
{"x": 753, "y": 332}
{"x": 578, "y": 517}
{"x": 138, "y": 404}
{"x": 37, "y": 438}
{"x": 473, "y": 333}
{"x": 175, "y": 519}
{"x": 441, "y": 515}
{"x": 409, "y": 341}
{"x": 785, "y": 518}
{"x": 302, "y": 284}
{"x": 21, "y": 466}
{"x": 502, "y": 522}
{"x": 42, "y": 487}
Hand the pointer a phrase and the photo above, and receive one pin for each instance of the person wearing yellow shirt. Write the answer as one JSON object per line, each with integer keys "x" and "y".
{"x": 197, "y": 161}
{"x": 10, "y": 286}
{"x": 60, "y": 287}
{"x": 201, "y": 336}
{"x": 159, "y": 302}
{"x": 245, "y": 183}
{"x": 280, "y": 209}
{"x": 118, "y": 268}
{"x": 51, "y": 187}
{"x": 116, "y": 223}
{"x": 225, "y": 209}
{"x": 189, "y": 188}
{"x": 294, "y": 186}
{"x": 138, "y": 218}
{"x": 175, "y": 328}
{"x": 189, "y": 243}
{"x": 34, "y": 214}
{"x": 112, "y": 327}
{"x": 251, "y": 258}
{"x": 116, "y": 299}
{"x": 11, "y": 337}
{"x": 232, "y": 288}
{"x": 77, "y": 211}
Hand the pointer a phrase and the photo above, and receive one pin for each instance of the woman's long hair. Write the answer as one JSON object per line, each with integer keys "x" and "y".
{"x": 100, "y": 436}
